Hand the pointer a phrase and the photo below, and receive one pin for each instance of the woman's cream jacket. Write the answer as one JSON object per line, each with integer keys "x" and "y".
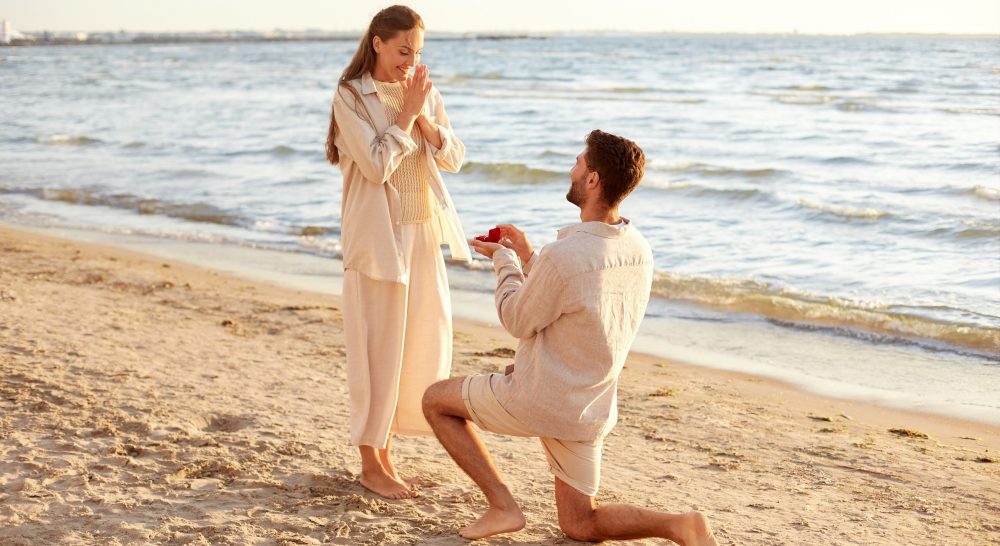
{"x": 370, "y": 150}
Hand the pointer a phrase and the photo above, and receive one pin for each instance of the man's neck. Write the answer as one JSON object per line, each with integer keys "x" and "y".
{"x": 600, "y": 214}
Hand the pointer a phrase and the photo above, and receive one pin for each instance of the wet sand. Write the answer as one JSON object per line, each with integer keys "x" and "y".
{"x": 149, "y": 401}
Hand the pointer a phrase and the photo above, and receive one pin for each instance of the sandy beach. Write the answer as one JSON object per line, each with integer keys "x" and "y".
{"x": 147, "y": 401}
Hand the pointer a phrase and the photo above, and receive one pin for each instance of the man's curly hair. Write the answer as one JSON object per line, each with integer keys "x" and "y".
{"x": 618, "y": 161}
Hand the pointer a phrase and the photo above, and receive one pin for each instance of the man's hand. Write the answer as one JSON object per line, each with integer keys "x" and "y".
{"x": 484, "y": 248}
{"x": 515, "y": 239}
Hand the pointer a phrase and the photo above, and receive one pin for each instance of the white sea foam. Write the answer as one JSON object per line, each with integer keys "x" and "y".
{"x": 841, "y": 211}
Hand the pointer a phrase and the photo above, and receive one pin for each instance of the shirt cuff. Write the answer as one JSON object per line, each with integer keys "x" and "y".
{"x": 504, "y": 257}
{"x": 405, "y": 140}
{"x": 445, "y": 141}
{"x": 529, "y": 262}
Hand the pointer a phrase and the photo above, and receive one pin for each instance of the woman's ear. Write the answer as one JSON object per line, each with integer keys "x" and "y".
{"x": 376, "y": 44}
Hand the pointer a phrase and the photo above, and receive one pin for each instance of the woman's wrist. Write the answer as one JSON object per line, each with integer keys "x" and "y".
{"x": 405, "y": 121}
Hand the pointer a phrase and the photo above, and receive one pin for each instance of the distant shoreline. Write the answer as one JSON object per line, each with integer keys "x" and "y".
{"x": 219, "y": 38}
{"x": 47, "y": 38}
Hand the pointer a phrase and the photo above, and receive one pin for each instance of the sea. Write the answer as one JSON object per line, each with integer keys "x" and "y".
{"x": 824, "y": 210}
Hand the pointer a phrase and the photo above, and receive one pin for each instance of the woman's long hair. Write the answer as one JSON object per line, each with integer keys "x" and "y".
{"x": 386, "y": 24}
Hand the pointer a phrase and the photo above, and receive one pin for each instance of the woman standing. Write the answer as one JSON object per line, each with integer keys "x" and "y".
{"x": 390, "y": 135}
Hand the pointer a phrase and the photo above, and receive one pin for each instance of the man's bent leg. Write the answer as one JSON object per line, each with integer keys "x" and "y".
{"x": 445, "y": 410}
{"x": 582, "y": 519}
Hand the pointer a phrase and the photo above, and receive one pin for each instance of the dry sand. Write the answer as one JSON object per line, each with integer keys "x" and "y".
{"x": 146, "y": 402}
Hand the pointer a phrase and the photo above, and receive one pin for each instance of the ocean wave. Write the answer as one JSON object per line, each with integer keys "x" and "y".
{"x": 841, "y": 211}
{"x": 734, "y": 194}
{"x": 760, "y": 298}
{"x": 808, "y": 100}
{"x": 932, "y": 345}
{"x": 846, "y": 160}
{"x": 188, "y": 173}
{"x": 67, "y": 140}
{"x": 985, "y": 192}
{"x": 279, "y": 151}
{"x": 628, "y": 90}
{"x": 979, "y": 228}
{"x": 464, "y": 76}
{"x": 981, "y": 111}
{"x": 794, "y": 59}
{"x": 196, "y": 212}
{"x": 322, "y": 247}
{"x": 900, "y": 89}
{"x": 703, "y": 169}
{"x": 589, "y": 97}
{"x": 302, "y": 181}
{"x": 283, "y": 150}
{"x": 814, "y": 96}
{"x": 969, "y": 229}
{"x": 315, "y": 231}
{"x": 796, "y": 95}
{"x": 513, "y": 173}
{"x": 808, "y": 87}
{"x": 979, "y": 233}
{"x": 858, "y": 106}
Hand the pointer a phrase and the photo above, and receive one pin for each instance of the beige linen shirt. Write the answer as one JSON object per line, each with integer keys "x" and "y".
{"x": 576, "y": 316}
{"x": 371, "y": 148}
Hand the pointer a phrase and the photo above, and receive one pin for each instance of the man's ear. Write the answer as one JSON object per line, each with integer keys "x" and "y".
{"x": 593, "y": 178}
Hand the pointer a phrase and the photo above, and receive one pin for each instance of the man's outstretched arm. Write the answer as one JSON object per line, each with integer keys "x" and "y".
{"x": 525, "y": 306}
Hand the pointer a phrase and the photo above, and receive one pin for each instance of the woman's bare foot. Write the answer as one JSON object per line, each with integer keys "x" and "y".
{"x": 384, "y": 485}
{"x": 383, "y": 456}
{"x": 695, "y": 531}
{"x": 378, "y": 475}
{"x": 494, "y": 522}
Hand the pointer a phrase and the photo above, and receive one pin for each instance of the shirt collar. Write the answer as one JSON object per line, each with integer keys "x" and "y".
{"x": 367, "y": 83}
{"x": 600, "y": 229}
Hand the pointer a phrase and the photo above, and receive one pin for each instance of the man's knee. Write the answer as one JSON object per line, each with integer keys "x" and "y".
{"x": 579, "y": 526}
{"x": 432, "y": 397}
{"x": 444, "y": 398}
{"x": 577, "y": 513}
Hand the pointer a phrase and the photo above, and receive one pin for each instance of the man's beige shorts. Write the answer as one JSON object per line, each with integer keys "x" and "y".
{"x": 576, "y": 463}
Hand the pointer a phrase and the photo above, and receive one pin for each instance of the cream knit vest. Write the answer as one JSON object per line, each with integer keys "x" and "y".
{"x": 410, "y": 178}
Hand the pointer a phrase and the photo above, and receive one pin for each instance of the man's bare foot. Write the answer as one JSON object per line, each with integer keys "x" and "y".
{"x": 384, "y": 485}
{"x": 494, "y": 522}
{"x": 696, "y": 531}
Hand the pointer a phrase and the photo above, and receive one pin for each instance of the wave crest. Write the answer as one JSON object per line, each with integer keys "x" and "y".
{"x": 715, "y": 170}
{"x": 196, "y": 212}
{"x": 840, "y": 211}
{"x": 760, "y": 298}
{"x": 67, "y": 140}
{"x": 513, "y": 173}
{"x": 985, "y": 192}
{"x": 735, "y": 194}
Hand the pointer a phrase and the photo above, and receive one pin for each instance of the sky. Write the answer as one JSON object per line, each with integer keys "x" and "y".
{"x": 744, "y": 16}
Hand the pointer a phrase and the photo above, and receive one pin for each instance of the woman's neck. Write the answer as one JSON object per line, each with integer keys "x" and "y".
{"x": 382, "y": 77}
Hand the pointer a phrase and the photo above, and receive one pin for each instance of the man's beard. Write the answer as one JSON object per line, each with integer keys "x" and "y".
{"x": 575, "y": 194}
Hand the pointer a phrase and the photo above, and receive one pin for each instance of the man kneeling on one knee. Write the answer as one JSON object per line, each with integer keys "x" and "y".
{"x": 575, "y": 306}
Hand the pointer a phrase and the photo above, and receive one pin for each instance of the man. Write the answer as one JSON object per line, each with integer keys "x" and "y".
{"x": 575, "y": 307}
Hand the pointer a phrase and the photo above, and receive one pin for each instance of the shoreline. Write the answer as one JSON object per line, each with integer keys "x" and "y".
{"x": 109, "y": 37}
{"x": 175, "y": 404}
{"x": 472, "y": 302}
{"x": 487, "y": 324}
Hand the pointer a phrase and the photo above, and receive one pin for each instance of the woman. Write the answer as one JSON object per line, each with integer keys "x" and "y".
{"x": 390, "y": 135}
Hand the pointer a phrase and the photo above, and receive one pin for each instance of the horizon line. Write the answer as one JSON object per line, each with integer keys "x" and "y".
{"x": 533, "y": 33}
